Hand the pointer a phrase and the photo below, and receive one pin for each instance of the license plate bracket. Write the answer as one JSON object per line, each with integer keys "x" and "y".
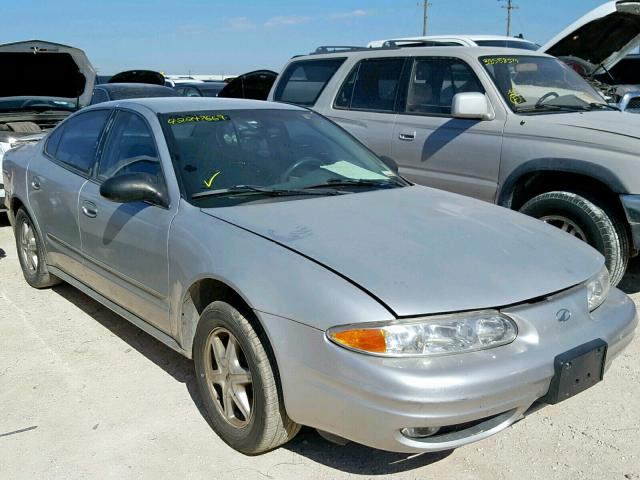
{"x": 576, "y": 370}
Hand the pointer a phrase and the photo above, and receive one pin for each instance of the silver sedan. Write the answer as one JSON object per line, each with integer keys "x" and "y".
{"x": 310, "y": 283}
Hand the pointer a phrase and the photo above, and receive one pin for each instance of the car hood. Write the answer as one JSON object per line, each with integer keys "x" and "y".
{"x": 601, "y": 37}
{"x": 611, "y": 122}
{"x": 43, "y": 69}
{"x": 422, "y": 251}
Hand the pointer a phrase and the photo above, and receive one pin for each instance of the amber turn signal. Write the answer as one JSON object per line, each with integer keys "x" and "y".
{"x": 368, "y": 340}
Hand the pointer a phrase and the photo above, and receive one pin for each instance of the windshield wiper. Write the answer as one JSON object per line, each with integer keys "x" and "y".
{"x": 347, "y": 182}
{"x": 603, "y": 106}
{"x": 271, "y": 192}
{"x": 555, "y": 108}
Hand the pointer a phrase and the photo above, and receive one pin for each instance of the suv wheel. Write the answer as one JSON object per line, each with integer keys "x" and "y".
{"x": 588, "y": 220}
{"x": 31, "y": 253}
{"x": 237, "y": 382}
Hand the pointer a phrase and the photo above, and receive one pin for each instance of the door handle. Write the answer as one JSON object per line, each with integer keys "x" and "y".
{"x": 35, "y": 183}
{"x": 407, "y": 136}
{"x": 89, "y": 209}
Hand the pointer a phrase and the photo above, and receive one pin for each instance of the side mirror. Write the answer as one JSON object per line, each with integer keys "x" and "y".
{"x": 471, "y": 105}
{"x": 133, "y": 187}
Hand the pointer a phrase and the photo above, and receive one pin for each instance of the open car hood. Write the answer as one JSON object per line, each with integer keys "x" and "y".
{"x": 601, "y": 37}
{"x": 36, "y": 68}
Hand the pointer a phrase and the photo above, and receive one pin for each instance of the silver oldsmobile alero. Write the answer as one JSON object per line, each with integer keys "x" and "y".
{"x": 311, "y": 284}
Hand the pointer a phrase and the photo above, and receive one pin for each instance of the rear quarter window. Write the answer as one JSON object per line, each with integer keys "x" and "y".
{"x": 302, "y": 82}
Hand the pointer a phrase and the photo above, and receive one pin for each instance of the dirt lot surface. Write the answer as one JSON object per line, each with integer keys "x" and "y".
{"x": 84, "y": 394}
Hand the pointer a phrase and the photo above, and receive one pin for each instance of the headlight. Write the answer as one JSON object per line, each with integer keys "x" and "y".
{"x": 598, "y": 288}
{"x": 428, "y": 336}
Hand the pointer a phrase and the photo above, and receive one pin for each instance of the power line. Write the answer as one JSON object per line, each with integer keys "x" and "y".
{"x": 425, "y": 5}
{"x": 509, "y": 7}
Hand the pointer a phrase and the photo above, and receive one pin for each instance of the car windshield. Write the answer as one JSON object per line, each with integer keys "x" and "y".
{"x": 531, "y": 84}
{"x": 264, "y": 152}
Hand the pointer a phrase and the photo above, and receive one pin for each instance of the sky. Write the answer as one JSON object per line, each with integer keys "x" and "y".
{"x": 223, "y": 37}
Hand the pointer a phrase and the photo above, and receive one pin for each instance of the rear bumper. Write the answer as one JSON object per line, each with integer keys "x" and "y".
{"x": 370, "y": 399}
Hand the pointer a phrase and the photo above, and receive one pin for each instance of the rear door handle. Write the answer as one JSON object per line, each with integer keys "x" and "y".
{"x": 89, "y": 209}
{"x": 407, "y": 136}
{"x": 35, "y": 183}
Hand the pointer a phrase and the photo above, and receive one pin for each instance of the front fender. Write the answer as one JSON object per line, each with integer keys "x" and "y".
{"x": 558, "y": 165}
{"x": 269, "y": 277}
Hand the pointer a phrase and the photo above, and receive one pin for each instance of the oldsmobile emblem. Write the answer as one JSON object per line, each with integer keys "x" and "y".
{"x": 563, "y": 315}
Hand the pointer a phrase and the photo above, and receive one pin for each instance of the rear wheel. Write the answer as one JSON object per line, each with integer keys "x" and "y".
{"x": 31, "y": 253}
{"x": 587, "y": 219}
{"x": 238, "y": 382}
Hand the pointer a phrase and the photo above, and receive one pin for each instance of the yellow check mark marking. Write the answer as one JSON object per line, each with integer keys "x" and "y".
{"x": 209, "y": 182}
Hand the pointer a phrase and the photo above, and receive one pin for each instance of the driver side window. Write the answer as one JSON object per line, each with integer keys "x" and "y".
{"x": 130, "y": 148}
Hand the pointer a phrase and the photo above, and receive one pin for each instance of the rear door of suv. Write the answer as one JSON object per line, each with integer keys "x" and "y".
{"x": 367, "y": 98}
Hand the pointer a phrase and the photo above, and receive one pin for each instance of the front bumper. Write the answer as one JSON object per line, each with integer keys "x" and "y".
{"x": 370, "y": 399}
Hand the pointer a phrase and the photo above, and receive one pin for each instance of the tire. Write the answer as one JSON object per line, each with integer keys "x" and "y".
{"x": 588, "y": 219}
{"x": 244, "y": 351}
{"x": 31, "y": 253}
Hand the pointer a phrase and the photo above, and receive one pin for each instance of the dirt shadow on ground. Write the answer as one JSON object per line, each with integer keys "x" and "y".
{"x": 352, "y": 458}
{"x": 356, "y": 458}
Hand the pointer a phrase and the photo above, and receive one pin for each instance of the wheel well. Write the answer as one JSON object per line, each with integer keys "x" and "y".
{"x": 536, "y": 183}
{"x": 16, "y": 203}
{"x": 201, "y": 294}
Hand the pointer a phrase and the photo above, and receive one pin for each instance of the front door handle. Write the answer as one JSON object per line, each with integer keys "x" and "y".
{"x": 407, "y": 136}
{"x": 35, "y": 183}
{"x": 89, "y": 209}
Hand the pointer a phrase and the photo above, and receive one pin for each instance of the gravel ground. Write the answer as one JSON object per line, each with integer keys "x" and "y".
{"x": 84, "y": 394}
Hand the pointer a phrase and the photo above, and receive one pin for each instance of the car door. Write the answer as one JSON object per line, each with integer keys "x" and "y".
{"x": 366, "y": 103}
{"x": 431, "y": 147}
{"x": 54, "y": 180}
{"x": 125, "y": 245}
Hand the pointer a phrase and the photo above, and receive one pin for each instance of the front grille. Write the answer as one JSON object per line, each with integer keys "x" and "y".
{"x": 634, "y": 103}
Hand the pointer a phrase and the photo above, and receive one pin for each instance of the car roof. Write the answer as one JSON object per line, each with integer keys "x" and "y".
{"x": 454, "y": 51}
{"x": 190, "y": 104}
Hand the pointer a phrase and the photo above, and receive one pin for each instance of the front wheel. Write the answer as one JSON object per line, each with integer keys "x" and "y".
{"x": 588, "y": 220}
{"x": 31, "y": 253}
{"x": 238, "y": 383}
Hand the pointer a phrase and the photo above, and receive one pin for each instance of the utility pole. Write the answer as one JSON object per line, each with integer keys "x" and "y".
{"x": 425, "y": 5}
{"x": 509, "y": 7}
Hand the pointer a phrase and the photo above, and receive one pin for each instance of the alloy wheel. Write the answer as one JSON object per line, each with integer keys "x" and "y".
{"x": 28, "y": 247}
{"x": 229, "y": 378}
{"x": 566, "y": 225}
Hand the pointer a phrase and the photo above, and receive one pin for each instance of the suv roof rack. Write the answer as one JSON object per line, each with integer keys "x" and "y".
{"x": 404, "y": 43}
{"x": 388, "y": 44}
{"x": 336, "y": 49}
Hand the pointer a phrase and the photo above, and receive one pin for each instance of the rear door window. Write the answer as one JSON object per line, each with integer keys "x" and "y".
{"x": 302, "y": 82}
{"x": 373, "y": 85}
{"x": 80, "y": 137}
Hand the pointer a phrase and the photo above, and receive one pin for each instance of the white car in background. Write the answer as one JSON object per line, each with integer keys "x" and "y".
{"x": 466, "y": 41}
{"x": 593, "y": 46}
